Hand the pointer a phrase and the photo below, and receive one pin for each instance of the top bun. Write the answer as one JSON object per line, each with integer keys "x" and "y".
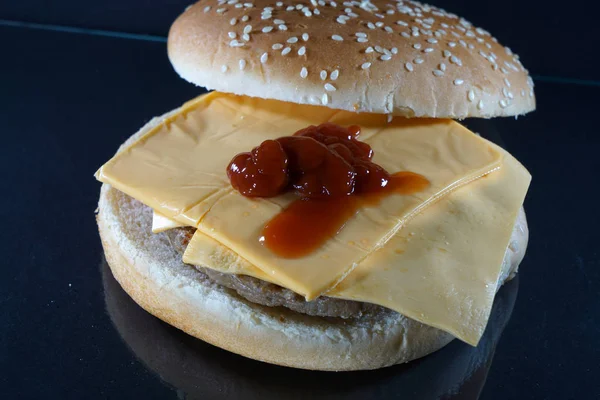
{"x": 397, "y": 57}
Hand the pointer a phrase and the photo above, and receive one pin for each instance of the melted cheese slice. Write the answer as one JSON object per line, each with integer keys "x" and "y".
{"x": 442, "y": 268}
{"x": 178, "y": 169}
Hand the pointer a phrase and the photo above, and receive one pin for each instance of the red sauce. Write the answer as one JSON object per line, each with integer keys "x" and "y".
{"x": 330, "y": 170}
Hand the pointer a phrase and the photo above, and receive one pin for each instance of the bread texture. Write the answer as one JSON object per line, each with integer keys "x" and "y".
{"x": 152, "y": 273}
{"x": 401, "y": 58}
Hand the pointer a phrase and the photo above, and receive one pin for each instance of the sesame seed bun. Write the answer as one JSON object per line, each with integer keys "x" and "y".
{"x": 400, "y": 58}
{"x": 153, "y": 274}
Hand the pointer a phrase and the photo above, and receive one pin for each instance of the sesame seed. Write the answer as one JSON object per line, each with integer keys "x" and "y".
{"x": 379, "y": 49}
{"x": 305, "y": 36}
{"x": 264, "y": 58}
{"x": 267, "y": 29}
{"x": 277, "y": 46}
{"x": 325, "y": 99}
{"x": 456, "y": 60}
{"x": 235, "y": 43}
{"x": 232, "y": 35}
{"x": 417, "y": 46}
{"x": 286, "y": 51}
{"x": 370, "y": 25}
{"x": 401, "y": 23}
{"x": 293, "y": 39}
{"x": 505, "y": 92}
{"x": 302, "y": 51}
{"x": 418, "y": 60}
{"x": 388, "y": 29}
{"x": 458, "y": 82}
{"x": 238, "y": 5}
{"x": 265, "y": 16}
{"x": 337, "y": 38}
{"x": 283, "y": 27}
{"x": 390, "y": 117}
{"x": 362, "y": 40}
{"x": 242, "y": 64}
{"x": 290, "y": 8}
{"x": 442, "y": 67}
{"x": 323, "y": 75}
{"x": 329, "y": 87}
{"x": 437, "y": 72}
{"x": 246, "y": 37}
{"x": 248, "y": 29}
{"x": 307, "y": 14}
{"x": 394, "y": 50}
{"x": 224, "y": 68}
{"x": 279, "y": 21}
{"x": 303, "y": 73}
{"x": 428, "y": 50}
{"x": 316, "y": 11}
{"x": 206, "y": 9}
{"x": 366, "y": 65}
{"x": 245, "y": 18}
{"x": 334, "y": 75}
{"x": 360, "y": 34}
{"x": 471, "y": 95}
{"x": 480, "y": 105}
{"x": 503, "y": 103}
{"x": 506, "y": 82}
{"x": 299, "y": 6}
{"x": 405, "y": 35}
{"x": 385, "y": 57}
{"x": 409, "y": 66}
{"x": 379, "y": 24}
{"x": 233, "y": 21}
{"x": 451, "y": 44}
{"x": 522, "y": 92}
{"x": 432, "y": 40}
{"x": 221, "y": 10}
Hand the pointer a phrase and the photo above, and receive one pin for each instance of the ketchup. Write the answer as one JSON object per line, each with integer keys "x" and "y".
{"x": 331, "y": 171}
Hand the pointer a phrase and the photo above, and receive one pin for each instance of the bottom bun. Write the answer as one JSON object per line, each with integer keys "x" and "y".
{"x": 152, "y": 273}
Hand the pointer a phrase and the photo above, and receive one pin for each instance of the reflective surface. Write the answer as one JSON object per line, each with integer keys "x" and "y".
{"x": 199, "y": 370}
{"x": 68, "y": 100}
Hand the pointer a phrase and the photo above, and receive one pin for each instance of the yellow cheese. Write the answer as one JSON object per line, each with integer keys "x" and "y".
{"x": 161, "y": 223}
{"x": 441, "y": 269}
{"x": 178, "y": 169}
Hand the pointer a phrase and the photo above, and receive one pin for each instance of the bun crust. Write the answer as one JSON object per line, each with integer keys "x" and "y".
{"x": 152, "y": 273}
{"x": 404, "y": 59}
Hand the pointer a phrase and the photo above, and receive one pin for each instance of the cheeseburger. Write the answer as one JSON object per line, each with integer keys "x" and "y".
{"x": 321, "y": 208}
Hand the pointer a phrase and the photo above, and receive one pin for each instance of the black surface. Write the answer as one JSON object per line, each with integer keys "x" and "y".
{"x": 67, "y": 101}
{"x": 554, "y": 40}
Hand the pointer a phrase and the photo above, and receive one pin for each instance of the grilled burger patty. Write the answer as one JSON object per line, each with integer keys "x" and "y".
{"x": 270, "y": 294}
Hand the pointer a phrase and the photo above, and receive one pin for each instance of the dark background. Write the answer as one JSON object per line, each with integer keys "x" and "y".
{"x": 77, "y": 78}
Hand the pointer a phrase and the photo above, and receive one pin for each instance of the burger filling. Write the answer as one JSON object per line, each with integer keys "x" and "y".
{"x": 269, "y": 294}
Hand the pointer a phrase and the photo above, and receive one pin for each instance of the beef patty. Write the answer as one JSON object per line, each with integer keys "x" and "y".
{"x": 270, "y": 294}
